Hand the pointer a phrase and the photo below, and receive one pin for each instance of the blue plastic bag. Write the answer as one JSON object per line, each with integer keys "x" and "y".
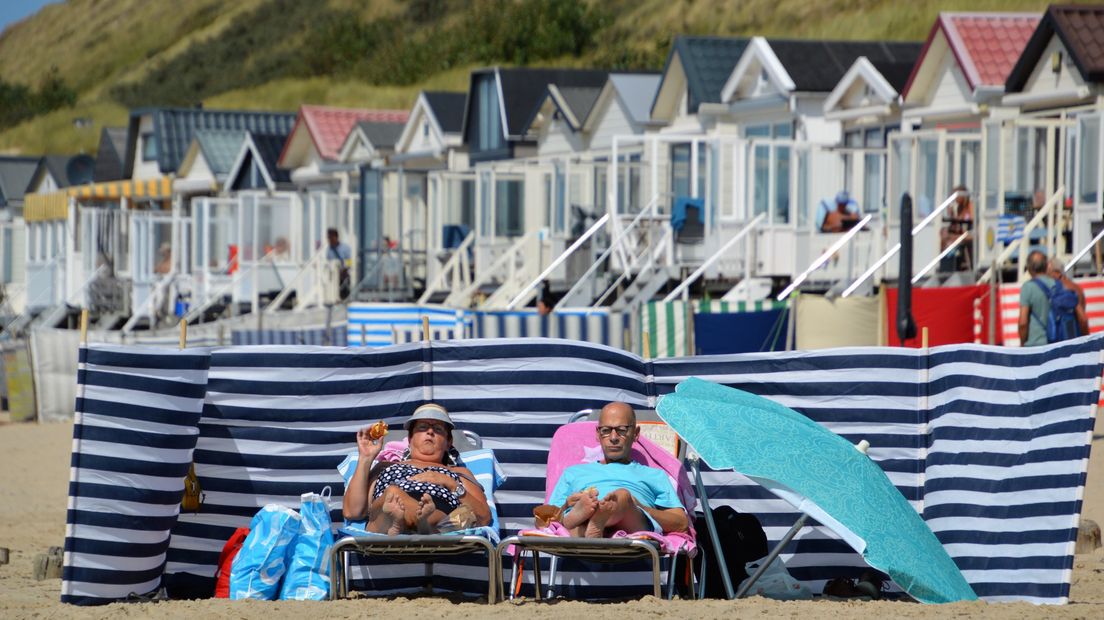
{"x": 256, "y": 571}
{"x": 308, "y": 574}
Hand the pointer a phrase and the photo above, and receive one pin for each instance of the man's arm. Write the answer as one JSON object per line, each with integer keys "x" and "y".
{"x": 1025, "y": 317}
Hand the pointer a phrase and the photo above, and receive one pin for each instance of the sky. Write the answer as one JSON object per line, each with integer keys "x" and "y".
{"x": 15, "y": 10}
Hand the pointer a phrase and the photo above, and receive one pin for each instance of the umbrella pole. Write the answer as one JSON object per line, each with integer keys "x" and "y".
{"x": 750, "y": 581}
{"x": 710, "y": 525}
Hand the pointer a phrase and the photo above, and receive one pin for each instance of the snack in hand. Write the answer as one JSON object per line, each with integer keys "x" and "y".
{"x": 546, "y": 514}
{"x": 377, "y": 430}
{"x": 591, "y": 490}
{"x": 462, "y": 518}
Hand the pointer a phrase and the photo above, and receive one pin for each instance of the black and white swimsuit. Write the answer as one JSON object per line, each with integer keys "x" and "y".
{"x": 399, "y": 474}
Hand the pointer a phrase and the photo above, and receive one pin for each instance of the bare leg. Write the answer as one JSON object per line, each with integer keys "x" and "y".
{"x": 616, "y": 510}
{"x": 394, "y": 507}
{"x": 425, "y": 513}
{"x": 576, "y": 519}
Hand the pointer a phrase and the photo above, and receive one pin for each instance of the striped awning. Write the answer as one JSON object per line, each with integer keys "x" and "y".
{"x": 136, "y": 189}
{"x": 45, "y": 207}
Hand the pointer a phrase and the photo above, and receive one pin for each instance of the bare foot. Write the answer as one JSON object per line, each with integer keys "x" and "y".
{"x": 393, "y": 507}
{"x": 581, "y": 511}
{"x": 596, "y": 527}
{"x": 425, "y": 509}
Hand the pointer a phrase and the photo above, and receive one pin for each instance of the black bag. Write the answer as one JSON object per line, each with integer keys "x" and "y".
{"x": 742, "y": 539}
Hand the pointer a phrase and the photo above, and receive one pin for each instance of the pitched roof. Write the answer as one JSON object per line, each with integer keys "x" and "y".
{"x": 219, "y": 147}
{"x": 524, "y": 89}
{"x": 707, "y": 63}
{"x": 580, "y": 99}
{"x": 66, "y": 170}
{"x": 328, "y": 127}
{"x": 15, "y": 176}
{"x": 448, "y": 108}
{"x": 1081, "y": 30}
{"x": 896, "y": 72}
{"x": 268, "y": 151}
{"x": 817, "y": 66}
{"x": 637, "y": 91}
{"x": 111, "y": 154}
{"x": 381, "y": 135}
{"x": 175, "y": 127}
{"x": 985, "y": 45}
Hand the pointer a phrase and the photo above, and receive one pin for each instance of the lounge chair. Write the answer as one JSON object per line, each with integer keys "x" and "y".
{"x": 425, "y": 548}
{"x": 570, "y": 439}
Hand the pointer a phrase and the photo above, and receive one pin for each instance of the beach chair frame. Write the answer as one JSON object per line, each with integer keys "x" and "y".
{"x": 414, "y": 548}
{"x": 610, "y": 550}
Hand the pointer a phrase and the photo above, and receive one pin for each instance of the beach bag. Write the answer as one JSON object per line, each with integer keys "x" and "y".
{"x": 742, "y": 540}
{"x": 308, "y": 573}
{"x": 1061, "y": 321}
{"x": 256, "y": 571}
{"x": 229, "y": 552}
{"x": 776, "y": 582}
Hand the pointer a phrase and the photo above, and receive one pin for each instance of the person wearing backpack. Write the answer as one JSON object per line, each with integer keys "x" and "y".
{"x": 1047, "y": 309}
{"x": 1057, "y": 270}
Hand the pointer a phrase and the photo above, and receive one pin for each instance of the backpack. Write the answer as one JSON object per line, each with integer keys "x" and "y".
{"x": 229, "y": 552}
{"x": 742, "y": 539}
{"x": 1061, "y": 321}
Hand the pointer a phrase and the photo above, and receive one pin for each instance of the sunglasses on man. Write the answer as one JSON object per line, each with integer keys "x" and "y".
{"x": 606, "y": 431}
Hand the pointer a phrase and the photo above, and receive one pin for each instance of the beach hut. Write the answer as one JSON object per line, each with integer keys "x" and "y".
{"x": 1056, "y": 139}
{"x": 955, "y": 87}
{"x": 312, "y": 154}
{"x": 15, "y": 175}
{"x": 430, "y": 151}
{"x": 510, "y": 242}
{"x": 791, "y": 164}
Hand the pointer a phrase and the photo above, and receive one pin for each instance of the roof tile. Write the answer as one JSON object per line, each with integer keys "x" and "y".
{"x": 987, "y": 45}
{"x": 329, "y": 127}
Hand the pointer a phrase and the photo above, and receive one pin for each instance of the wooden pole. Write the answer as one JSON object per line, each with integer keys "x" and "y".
{"x": 425, "y": 328}
{"x": 84, "y": 326}
{"x": 183, "y": 334}
{"x": 924, "y": 337}
{"x": 647, "y": 344}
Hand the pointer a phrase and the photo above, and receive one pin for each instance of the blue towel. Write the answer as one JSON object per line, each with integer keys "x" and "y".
{"x": 678, "y": 211}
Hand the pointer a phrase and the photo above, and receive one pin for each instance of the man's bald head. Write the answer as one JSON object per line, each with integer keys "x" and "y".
{"x": 617, "y": 418}
{"x": 619, "y": 410}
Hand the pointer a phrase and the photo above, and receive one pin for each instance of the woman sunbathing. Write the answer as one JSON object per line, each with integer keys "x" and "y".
{"x": 425, "y": 492}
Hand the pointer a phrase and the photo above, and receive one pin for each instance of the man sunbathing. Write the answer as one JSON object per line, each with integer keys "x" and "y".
{"x": 617, "y": 493}
{"x": 422, "y": 493}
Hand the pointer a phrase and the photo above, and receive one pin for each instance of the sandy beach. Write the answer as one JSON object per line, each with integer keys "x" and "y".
{"x": 34, "y": 465}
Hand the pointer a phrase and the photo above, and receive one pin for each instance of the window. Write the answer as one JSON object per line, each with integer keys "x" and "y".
{"x": 490, "y": 130}
{"x": 1090, "y": 159}
{"x": 680, "y": 170}
{"x": 149, "y": 147}
{"x": 771, "y": 161}
{"x": 509, "y": 209}
{"x": 628, "y": 184}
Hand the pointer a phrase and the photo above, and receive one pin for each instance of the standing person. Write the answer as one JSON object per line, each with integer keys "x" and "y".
{"x": 1057, "y": 269}
{"x": 544, "y": 300}
{"x": 339, "y": 251}
{"x": 1034, "y": 302}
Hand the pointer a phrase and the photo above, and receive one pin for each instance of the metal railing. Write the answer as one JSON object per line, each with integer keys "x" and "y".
{"x": 1023, "y": 243}
{"x": 897, "y": 247}
{"x": 507, "y": 260}
{"x": 620, "y": 236}
{"x": 693, "y": 277}
{"x": 457, "y": 269}
{"x": 594, "y": 228}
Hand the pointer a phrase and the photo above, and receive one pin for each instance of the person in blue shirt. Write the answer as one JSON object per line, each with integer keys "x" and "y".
{"x": 617, "y": 493}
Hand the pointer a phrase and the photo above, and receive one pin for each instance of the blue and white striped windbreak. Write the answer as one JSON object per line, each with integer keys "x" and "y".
{"x": 990, "y": 445}
{"x": 134, "y": 429}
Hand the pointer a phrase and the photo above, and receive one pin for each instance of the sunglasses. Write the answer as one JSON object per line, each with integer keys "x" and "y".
{"x": 606, "y": 431}
{"x": 421, "y": 427}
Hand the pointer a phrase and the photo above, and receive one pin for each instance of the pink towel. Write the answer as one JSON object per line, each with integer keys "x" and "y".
{"x": 392, "y": 451}
{"x": 668, "y": 543}
{"x": 576, "y": 443}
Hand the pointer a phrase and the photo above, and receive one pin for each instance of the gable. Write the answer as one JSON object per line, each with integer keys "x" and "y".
{"x": 1044, "y": 79}
{"x": 758, "y": 73}
{"x": 421, "y": 134}
{"x": 357, "y": 148}
{"x": 672, "y": 91}
{"x": 299, "y": 151}
{"x": 928, "y": 71}
{"x": 612, "y": 120}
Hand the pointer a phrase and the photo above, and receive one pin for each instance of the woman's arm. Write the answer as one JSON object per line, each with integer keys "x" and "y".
{"x": 355, "y": 505}
{"x": 474, "y": 497}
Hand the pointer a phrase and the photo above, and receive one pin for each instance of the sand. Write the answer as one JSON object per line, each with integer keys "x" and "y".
{"x": 34, "y": 472}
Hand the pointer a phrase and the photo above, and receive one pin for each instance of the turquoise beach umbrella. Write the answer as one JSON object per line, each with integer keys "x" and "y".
{"x": 820, "y": 474}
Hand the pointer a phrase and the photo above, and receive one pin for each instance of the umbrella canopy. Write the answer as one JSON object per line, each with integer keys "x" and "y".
{"x": 819, "y": 473}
